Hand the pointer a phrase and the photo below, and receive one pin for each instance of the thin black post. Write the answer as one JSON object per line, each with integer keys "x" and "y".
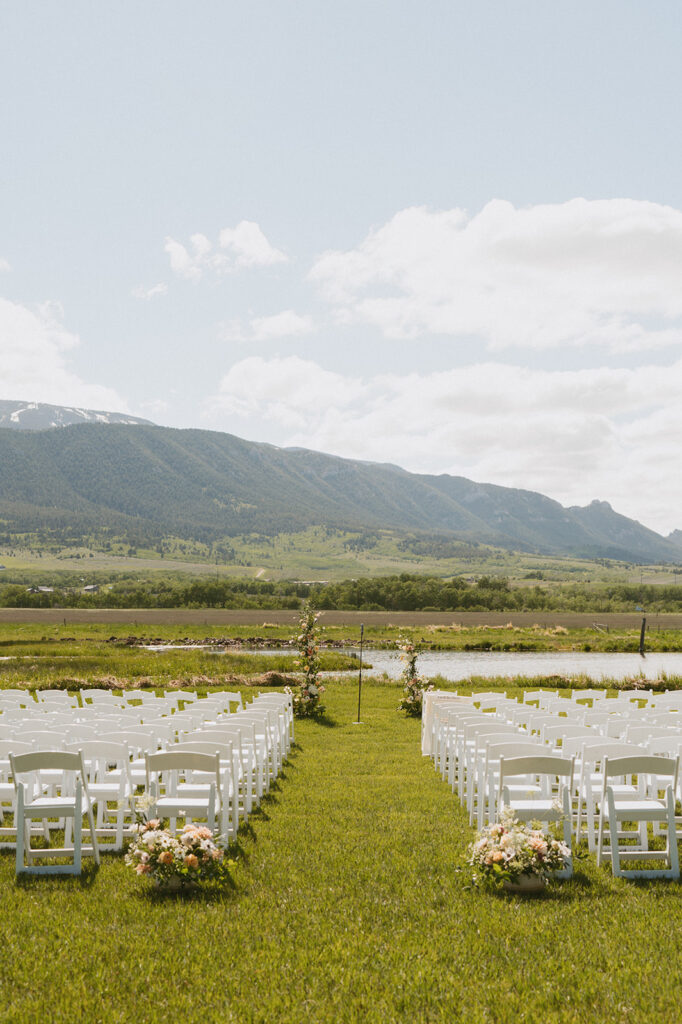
{"x": 362, "y": 633}
{"x": 641, "y": 637}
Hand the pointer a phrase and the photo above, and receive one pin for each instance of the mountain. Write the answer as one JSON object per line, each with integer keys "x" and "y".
{"x": 145, "y": 482}
{"x": 39, "y": 416}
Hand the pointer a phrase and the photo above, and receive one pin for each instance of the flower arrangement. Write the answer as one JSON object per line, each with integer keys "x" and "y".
{"x": 509, "y": 850}
{"x": 306, "y": 697}
{"x": 414, "y": 685}
{"x": 173, "y": 861}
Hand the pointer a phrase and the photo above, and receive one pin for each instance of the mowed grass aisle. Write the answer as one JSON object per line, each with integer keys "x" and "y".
{"x": 348, "y": 906}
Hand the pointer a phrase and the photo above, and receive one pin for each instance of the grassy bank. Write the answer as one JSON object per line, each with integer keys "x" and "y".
{"x": 347, "y": 905}
{"x": 105, "y": 638}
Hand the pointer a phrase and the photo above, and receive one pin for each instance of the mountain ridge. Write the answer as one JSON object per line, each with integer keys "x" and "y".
{"x": 142, "y": 480}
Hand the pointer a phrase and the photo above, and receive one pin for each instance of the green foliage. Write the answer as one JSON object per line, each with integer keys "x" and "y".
{"x": 414, "y": 685}
{"x": 306, "y": 697}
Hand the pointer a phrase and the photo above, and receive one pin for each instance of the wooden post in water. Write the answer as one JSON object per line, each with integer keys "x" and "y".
{"x": 362, "y": 633}
{"x": 641, "y": 637}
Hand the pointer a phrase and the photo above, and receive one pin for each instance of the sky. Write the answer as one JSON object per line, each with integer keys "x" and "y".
{"x": 441, "y": 234}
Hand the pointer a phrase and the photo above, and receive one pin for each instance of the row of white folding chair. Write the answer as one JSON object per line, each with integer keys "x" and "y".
{"x": 485, "y": 788}
{"x": 285, "y": 703}
{"x": 449, "y": 739}
{"x": 444, "y": 712}
{"x": 460, "y": 745}
{"x": 250, "y": 736}
{"x": 282, "y": 704}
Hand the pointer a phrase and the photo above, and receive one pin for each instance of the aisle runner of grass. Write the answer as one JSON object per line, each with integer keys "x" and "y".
{"x": 347, "y": 906}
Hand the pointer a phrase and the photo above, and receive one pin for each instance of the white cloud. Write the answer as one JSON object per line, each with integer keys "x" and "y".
{"x": 244, "y": 246}
{"x": 287, "y": 324}
{"x": 249, "y": 246}
{"x": 281, "y": 390}
{"x": 150, "y": 293}
{"x": 4, "y": 267}
{"x": 583, "y": 272}
{"x": 612, "y": 434}
{"x": 34, "y": 347}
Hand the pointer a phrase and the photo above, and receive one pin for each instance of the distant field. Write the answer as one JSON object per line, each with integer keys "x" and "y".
{"x": 321, "y": 554}
{"x": 257, "y": 617}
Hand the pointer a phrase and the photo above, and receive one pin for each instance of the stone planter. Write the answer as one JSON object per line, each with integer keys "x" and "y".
{"x": 526, "y": 885}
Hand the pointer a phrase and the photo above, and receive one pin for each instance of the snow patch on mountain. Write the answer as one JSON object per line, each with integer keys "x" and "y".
{"x": 40, "y": 416}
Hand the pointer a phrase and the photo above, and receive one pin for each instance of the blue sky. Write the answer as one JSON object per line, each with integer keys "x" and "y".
{"x": 446, "y": 235}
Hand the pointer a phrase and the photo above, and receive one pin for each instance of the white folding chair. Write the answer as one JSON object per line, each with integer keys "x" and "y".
{"x": 554, "y": 776}
{"x": 107, "y": 770}
{"x": 168, "y": 770}
{"x": 69, "y": 804}
{"x": 232, "y": 809}
{"x": 648, "y": 805}
{"x": 488, "y": 798}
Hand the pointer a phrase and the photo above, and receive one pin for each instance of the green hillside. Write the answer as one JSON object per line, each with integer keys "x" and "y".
{"x": 92, "y": 483}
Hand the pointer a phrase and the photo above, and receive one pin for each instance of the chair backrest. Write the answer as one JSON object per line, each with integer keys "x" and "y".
{"x": 101, "y": 750}
{"x": 12, "y": 746}
{"x": 224, "y": 749}
{"x": 513, "y": 748}
{"x": 585, "y": 695}
{"x": 174, "y": 760}
{"x": 564, "y": 731}
{"x": 42, "y": 739}
{"x": 642, "y": 764}
{"x": 61, "y": 697}
{"x": 542, "y": 764}
{"x": 535, "y": 696}
{"x": 43, "y": 760}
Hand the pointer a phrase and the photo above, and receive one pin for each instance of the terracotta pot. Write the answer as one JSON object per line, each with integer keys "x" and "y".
{"x": 526, "y": 884}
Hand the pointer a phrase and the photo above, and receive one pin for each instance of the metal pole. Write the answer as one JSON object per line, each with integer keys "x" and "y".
{"x": 362, "y": 633}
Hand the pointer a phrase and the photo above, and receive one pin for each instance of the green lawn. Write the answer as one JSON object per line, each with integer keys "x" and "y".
{"x": 347, "y": 905}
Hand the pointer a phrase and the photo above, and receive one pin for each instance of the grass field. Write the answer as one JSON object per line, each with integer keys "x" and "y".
{"x": 348, "y": 905}
{"x": 322, "y": 554}
{"x": 46, "y": 636}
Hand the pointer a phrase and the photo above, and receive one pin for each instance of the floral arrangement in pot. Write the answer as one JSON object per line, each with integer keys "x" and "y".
{"x": 176, "y": 862}
{"x": 515, "y": 855}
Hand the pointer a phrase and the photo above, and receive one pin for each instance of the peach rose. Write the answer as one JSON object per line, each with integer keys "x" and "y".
{"x": 191, "y": 861}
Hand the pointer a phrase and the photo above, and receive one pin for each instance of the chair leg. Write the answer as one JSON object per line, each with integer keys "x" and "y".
{"x": 613, "y": 829}
{"x": 21, "y": 830}
{"x": 673, "y": 857}
{"x": 600, "y": 835}
{"x": 93, "y": 834}
{"x": 78, "y": 829}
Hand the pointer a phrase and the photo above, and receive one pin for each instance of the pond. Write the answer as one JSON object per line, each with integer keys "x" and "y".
{"x": 458, "y": 665}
